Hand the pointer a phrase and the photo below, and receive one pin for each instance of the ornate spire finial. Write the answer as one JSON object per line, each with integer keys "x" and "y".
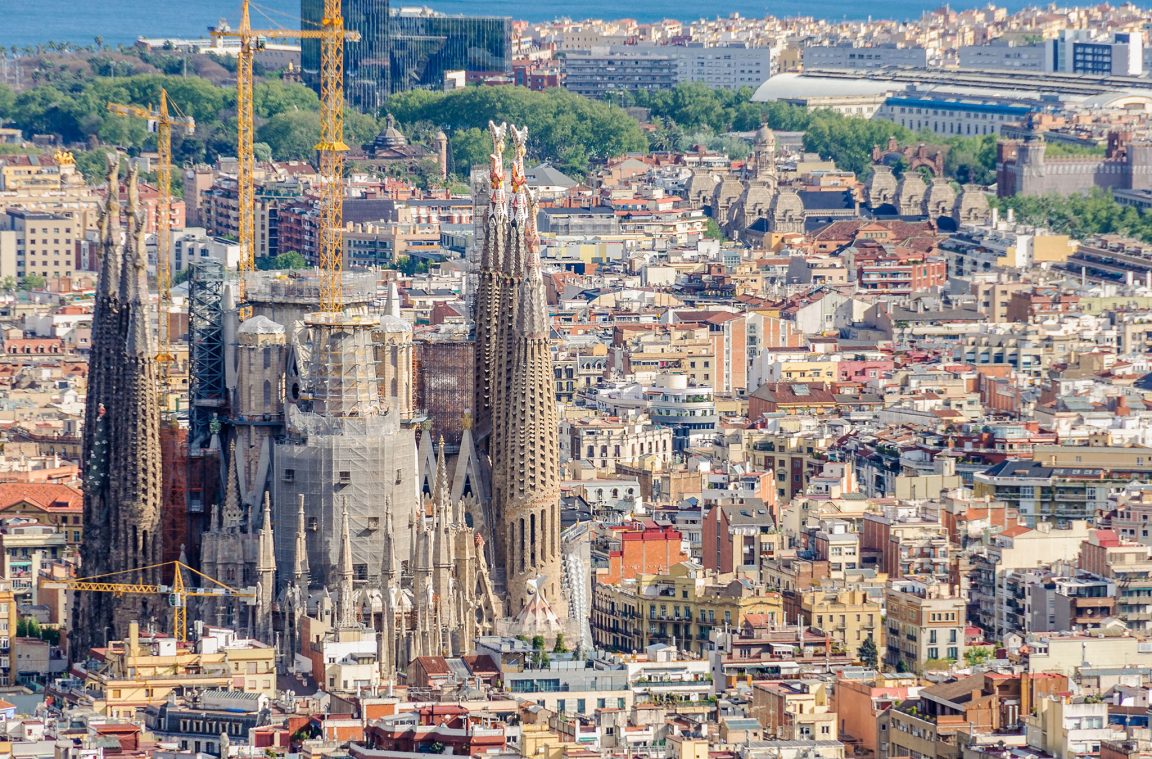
{"x": 520, "y": 149}
{"x": 440, "y": 491}
{"x": 266, "y": 559}
{"x": 109, "y": 229}
{"x": 346, "y": 613}
{"x": 300, "y": 559}
{"x": 232, "y": 512}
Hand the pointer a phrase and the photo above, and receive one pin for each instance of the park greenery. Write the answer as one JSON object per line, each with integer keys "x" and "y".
{"x": 568, "y": 130}
{"x": 694, "y": 114}
{"x": 572, "y": 132}
{"x": 1080, "y": 216}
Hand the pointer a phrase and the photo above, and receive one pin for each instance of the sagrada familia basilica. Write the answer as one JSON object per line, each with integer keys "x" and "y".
{"x": 341, "y": 524}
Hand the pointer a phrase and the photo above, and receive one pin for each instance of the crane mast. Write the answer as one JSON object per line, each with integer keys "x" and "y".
{"x": 246, "y": 159}
{"x": 163, "y": 120}
{"x": 331, "y": 147}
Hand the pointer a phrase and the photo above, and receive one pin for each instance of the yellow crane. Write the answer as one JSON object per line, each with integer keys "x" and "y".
{"x": 178, "y": 593}
{"x": 161, "y": 120}
{"x": 332, "y": 36}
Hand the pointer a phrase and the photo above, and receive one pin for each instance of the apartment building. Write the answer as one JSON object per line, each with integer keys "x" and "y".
{"x": 45, "y": 243}
{"x": 605, "y": 442}
{"x": 848, "y": 615}
{"x": 925, "y": 625}
{"x": 683, "y": 605}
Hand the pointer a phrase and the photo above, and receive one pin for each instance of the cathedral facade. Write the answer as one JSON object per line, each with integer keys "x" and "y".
{"x": 331, "y": 514}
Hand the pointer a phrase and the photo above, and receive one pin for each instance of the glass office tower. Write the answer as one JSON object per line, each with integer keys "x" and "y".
{"x": 426, "y": 45}
{"x": 406, "y": 48}
{"x": 366, "y": 78}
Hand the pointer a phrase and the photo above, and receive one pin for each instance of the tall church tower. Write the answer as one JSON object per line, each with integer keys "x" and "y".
{"x": 122, "y": 491}
{"x": 515, "y": 369}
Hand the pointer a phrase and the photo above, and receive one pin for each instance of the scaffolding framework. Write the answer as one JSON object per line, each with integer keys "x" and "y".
{"x": 207, "y": 391}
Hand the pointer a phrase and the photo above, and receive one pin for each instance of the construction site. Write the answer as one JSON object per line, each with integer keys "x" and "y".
{"x": 301, "y": 480}
{"x": 299, "y": 383}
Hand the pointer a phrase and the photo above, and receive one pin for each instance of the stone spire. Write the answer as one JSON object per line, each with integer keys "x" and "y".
{"x": 102, "y": 366}
{"x": 232, "y": 513}
{"x": 300, "y": 552}
{"x": 139, "y": 470}
{"x": 266, "y": 575}
{"x": 491, "y": 285}
{"x": 422, "y": 586}
{"x": 392, "y": 302}
{"x": 122, "y": 441}
{"x": 528, "y": 467}
{"x": 294, "y": 595}
{"x": 388, "y": 653}
{"x": 93, "y": 608}
{"x": 443, "y": 549}
{"x": 346, "y": 614}
{"x": 426, "y": 459}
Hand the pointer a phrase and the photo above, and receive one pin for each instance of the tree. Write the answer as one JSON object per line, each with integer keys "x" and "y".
{"x": 867, "y": 653}
{"x": 713, "y": 231}
{"x": 292, "y": 135}
{"x": 286, "y": 260}
{"x": 977, "y": 655}
{"x": 559, "y": 648}
{"x": 30, "y": 627}
{"x": 8, "y": 284}
{"x": 33, "y": 282}
{"x": 470, "y": 147}
{"x": 272, "y": 98}
{"x": 7, "y": 100}
{"x": 262, "y": 151}
{"x": 290, "y": 260}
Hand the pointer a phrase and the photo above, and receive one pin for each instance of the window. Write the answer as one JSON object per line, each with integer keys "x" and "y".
{"x": 289, "y": 475}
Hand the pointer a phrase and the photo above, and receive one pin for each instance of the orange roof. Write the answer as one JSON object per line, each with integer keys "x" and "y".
{"x": 46, "y": 496}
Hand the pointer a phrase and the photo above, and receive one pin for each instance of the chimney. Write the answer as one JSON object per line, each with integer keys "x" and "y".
{"x": 1121, "y": 408}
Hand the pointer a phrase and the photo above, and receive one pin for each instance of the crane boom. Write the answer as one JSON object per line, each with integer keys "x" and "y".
{"x": 162, "y": 120}
{"x": 251, "y": 42}
{"x": 178, "y": 592}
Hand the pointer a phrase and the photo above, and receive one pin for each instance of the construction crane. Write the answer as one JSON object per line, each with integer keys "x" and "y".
{"x": 161, "y": 121}
{"x": 332, "y": 36}
{"x": 178, "y": 593}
